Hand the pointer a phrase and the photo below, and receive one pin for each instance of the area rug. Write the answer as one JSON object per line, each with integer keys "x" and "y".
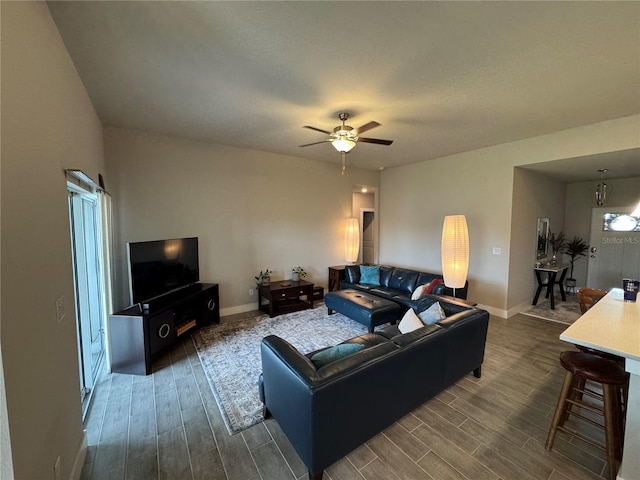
{"x": 230, "y": 355}
{"x": 565, "y": 312}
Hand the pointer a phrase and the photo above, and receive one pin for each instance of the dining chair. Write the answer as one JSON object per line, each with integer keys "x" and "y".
{"x": 588, "y": 297}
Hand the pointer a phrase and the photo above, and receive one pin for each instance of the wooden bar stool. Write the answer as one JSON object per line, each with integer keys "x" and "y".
{"x": 582, "y": 366}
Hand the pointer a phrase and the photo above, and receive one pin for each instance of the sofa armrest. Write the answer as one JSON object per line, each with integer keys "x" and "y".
{"x": 449, "y": 305}
{"x": 297, "y": 363}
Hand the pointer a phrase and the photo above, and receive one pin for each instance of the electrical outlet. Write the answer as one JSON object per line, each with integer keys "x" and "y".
{"x": 60, "y": 309}
{"x": 497, "y": 251}
{"x": 251, "y": 291}
{"x": 56, "y": 469}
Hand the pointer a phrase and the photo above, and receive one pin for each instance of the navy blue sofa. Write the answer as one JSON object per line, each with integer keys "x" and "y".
{"x": 327, "y": 412}
{"x": 398, "y": 284}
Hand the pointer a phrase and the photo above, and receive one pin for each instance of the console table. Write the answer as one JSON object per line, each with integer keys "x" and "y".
{"x": 284, "y": 296}
{"x": 552, "y": 279}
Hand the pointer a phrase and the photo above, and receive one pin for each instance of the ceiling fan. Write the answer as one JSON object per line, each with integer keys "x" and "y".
{"x": 344, "y": 137}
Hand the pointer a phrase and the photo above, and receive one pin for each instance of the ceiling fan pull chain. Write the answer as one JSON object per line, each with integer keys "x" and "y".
{"x": 344, "y": 166}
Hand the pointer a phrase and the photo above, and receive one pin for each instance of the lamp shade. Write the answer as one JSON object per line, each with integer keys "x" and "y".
{"x": 636, "y": 211}
{"x": 351, "y": 240}
{"x": 455, "y": 251}
{"x": 343, "y": 144}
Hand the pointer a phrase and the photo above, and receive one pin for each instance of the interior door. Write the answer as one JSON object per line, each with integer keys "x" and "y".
{"x": 367, "y": 235}
{"x": 84, "y": 230}
{"x": 613, "y": 255}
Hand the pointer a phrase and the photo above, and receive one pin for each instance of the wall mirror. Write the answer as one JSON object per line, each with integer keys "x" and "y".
{"x": 543, "y": 236}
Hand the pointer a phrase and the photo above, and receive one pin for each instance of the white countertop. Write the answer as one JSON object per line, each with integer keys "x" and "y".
{"x": 611, "y": 325}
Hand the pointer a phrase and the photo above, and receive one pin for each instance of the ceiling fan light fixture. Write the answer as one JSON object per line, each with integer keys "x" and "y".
{"x": 343, "y": 145}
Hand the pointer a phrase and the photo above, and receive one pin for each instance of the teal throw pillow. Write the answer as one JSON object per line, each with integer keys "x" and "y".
{"x": 432, "y": 315}
{"x": 370, "y": 275}
{"x": 334, "y": 353}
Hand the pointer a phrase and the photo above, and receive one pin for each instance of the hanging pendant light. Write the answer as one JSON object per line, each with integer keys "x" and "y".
{"x": 601, "y": 189}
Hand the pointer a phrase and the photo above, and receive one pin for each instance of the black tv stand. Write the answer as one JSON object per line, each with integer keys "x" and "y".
{"x": 140, "y": 332}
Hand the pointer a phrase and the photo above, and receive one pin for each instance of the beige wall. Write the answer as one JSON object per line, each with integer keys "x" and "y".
{"x": 362, "y": 200}
{"x": 534, "y": 195}
{"x": 48, "y": 124}
{"x": 251, "y": 210}
{"x": 479, "y": 184}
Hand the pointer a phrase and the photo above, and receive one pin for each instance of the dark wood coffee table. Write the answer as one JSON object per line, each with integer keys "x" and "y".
{"x": 284, "y": 296}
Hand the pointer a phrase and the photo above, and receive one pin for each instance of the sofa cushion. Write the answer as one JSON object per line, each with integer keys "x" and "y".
{"x": 368, "y": 339}
{"x": 426, "y": 277}
{"x": 405, "y": 339}
{"x": 334, "y": 353}
{"x": 432, "y": 315}
{"x": 370, "y": 275}
{"x": 388, "y": 293}
{"x": 410, "y": 322}
{"x": 385, "y": 274}
{"x": 352, "y": 274}
{"x": 403, "y": 279}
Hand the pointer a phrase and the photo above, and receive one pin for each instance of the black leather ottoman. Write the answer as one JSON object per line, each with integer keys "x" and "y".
{"x": 362, "y": 307}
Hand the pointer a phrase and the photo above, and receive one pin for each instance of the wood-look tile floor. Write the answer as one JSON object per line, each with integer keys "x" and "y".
{"x": 167, "y": 425}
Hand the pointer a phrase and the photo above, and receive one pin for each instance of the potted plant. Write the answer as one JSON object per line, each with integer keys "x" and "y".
{"x": 263, "y": 278}
{"x": 297, "y": 273}
{"x": 575, "y": 248}
{"x": 557, "y": 243}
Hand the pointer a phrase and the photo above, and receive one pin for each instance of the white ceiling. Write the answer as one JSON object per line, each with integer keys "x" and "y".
{"x": 441, "y": 77}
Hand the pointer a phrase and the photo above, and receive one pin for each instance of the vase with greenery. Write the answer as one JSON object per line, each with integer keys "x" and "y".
{"x": 557, "y": 243}
{"x": 263, "y": 278}
{"x": 575, "y": 248}
{"x": 297, "y": 273}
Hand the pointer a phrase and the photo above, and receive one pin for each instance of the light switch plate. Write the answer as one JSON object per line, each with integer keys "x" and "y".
{"x": 60, "y": 309}
{"x": 497, "y": 251}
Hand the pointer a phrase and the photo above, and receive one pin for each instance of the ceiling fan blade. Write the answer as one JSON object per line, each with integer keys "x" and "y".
{"x": 317, "y": 129}
{"x": 367, "y": 126}
{"x": 375, "y": 140}
{"x": 314, "y": 143}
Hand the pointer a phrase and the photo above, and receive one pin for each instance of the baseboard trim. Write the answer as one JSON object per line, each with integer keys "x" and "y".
{"x": 225, "y": 312}
{"x": 519, "y": 308}
{"x": 505, "y": 313}
{"x": 493, "y": 311}
{"x": 81, "y": 455}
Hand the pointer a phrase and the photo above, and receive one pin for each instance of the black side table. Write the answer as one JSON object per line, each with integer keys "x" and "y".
{"x": 551, "y": 280}
{"x": 336, "y": 275}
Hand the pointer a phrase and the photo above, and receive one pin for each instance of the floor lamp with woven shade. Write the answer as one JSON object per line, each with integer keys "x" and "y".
{"x": 455, "y": 251}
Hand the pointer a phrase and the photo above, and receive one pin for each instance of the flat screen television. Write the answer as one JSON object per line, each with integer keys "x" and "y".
{"x": 160, "y": 266}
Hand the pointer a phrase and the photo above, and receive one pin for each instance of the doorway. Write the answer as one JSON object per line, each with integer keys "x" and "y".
{"x": 363, "y": 206}
{"x": 614, "y": 254}
{"x": 367, "y": 236}
{"x": 83, "y": 214}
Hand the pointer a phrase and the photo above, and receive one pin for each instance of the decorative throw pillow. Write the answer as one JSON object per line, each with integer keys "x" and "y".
{"x": 410, "y": 322}
{"x": 417, "y": 293}
{"x": 432, "y": 315}
{"x": 431, "y": 285}
{"x": 334, "y": 353}
{"x": 370, "y": 275}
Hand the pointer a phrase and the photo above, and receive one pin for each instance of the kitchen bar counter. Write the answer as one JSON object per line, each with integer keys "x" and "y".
{"x": 613, "y": 325}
